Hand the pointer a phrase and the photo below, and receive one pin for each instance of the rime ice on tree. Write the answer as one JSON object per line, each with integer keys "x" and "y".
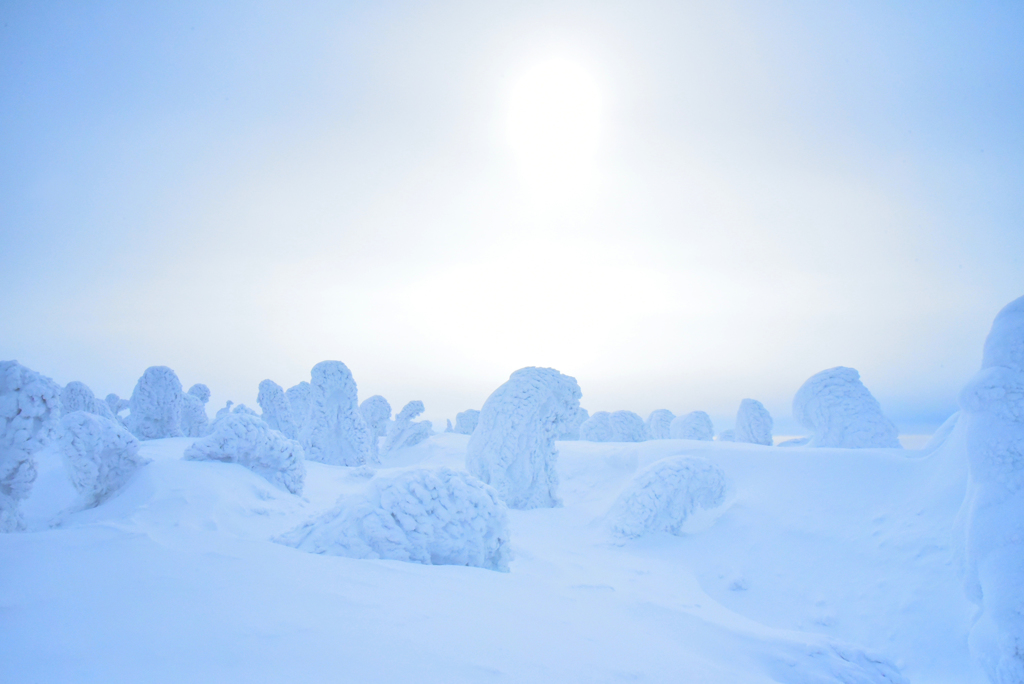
{"x": 76, "y": 396}
{"x": 618, "y": 426}
{"x": 513, "y": 446}
{"x": 298, "y": 399}
{"x": 156, "y": 405}
{"x": 405, "y": 432}
{"x": 377, "y": 413}
{"x": 753, "y": 423}
{"x": 100, "y": 455}
{"x": 277, "y": 413}
{"x": 841, "y": 412}
{"x": 658, "y": 424}
{"x": 466, "y": 421}
{"x": 336, "y": 432}
{"x": 571, "y": 432}
{"x": 194, "y": 421}
{"x": 694, "y": 425}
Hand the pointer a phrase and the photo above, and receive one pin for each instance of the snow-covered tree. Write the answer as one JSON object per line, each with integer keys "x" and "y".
{"x": 658, "y": 424}
{"x": 694, "y": 425}
{"x": 420, "y": 515}
{"x": 116, "y": 404}
{"x": 100, "y": 455}
{"x": 194, "y": 421}
{"x": 377, "y": 413}
{"x": 753, "y": 423}
{"x": 29, "y": 408}
{"x": 76, "y": 396}
{"x": 571, "y": 432}
{"x": 465, "y": 422}
{"x": 990, "y": 428}
{"x": 513, "y": 446}
{"x": 247, "y": 440}
{"x": 277, "y": 412}
{"x": 336, "y": 432}
{"x": 156, "y": 405}
{"x": 618, "y": 426}
{"x": 663, "y": 496}
{"x": 840, "y": 412}
{"x": 224, "y": 411}
{"x": 200, "y": 392}
{"x": 405, "y": 432}
{"x": 298, "y": 399}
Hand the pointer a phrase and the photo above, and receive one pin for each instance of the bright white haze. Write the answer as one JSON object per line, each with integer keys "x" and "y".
{"x": 681, "y": 206}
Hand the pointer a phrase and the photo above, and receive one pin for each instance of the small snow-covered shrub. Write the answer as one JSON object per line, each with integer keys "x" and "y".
{"x": 663, "y": 496}
{"x": 336, "y": 432}
{"x": 841, "y": 412}
{"x": 29, "y": 407}
{"x": 100, "y": 455}
{"x": 250, "y": 442}
{"x": 419, "y": 515}
{"x": 753, "y": 423}
{"x": 571, "y": 431}
{"x": 618, "y": 426}
{"x": 466, "y": 421}
{"x": 659, "y": 423}
{"x": 513, "y": 446}
{"x": 405, "y": 432}
{"x": 76, "y": 396}
{"x": 990, "y": 428}
{"x": 156, "y": 405}
{"x": 694, "y": 425}
{"x": 298, "y": 399}
{"x": 277, "y": 413}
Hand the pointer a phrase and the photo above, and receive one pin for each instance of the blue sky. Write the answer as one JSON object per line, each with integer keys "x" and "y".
{"x": 242, "y": 191}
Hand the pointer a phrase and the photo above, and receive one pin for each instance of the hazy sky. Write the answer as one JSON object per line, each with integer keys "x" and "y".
{"x": 679, "y": 204}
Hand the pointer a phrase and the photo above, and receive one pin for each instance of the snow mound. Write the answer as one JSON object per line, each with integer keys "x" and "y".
{"x": 156, "y": 405}
{"x": 277, "y": 413}
{"x": 571, "y": 432}
{"x": 663, "y": 496}
{"x": 298, "y": 399}
{"x": 753, "y": 423}
{"x": 659, "y": 423}
{"x": 466, "y": 421}
{"x": 420, "y": 515}
{"x": 76, "y": 396}
{"x": 336, "y": 433}
{"x": 694, "y": 425}
{"x": 841, "y": 412}
{"x": 100, "y": 456}
{"x": 619, "y": 426}
{"x": 991, "y": 422}
{"x": 513, "y": 446}
{"x": 29, "y": 406}
{"x": 405, "y": 432}
{"x": 250, "y": 442}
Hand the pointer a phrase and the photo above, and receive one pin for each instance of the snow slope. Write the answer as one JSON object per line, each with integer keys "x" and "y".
{"x": 822, "y": 565}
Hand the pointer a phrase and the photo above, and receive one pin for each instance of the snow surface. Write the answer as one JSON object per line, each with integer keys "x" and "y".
{"x": 100, "y": 455}
{"x": 753, "y": 423}
{"x": 466, "y": 421}
{"x": 423, "y": 515}
{"x": 618, "y": 426}
{"x": 989, "y": 433}
{"x": 694, "y": 425}
{"x": 404, "y": 432}
{"x": 513, "y": 446}
{"x": 277, "y": 412}
{"x": 658, "y": 424}
{"x": 155, "y": 405}
{"x": 335, "y": 431}
{"x": 841, "y": 412}
{"x": 76, "y": 396}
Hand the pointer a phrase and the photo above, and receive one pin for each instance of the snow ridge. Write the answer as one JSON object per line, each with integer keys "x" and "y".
{"x": 841, "y": 412}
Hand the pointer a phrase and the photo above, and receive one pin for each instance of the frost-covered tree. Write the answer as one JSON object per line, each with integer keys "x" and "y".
{"x": 194, "y": 421}
{"x": 694, "y": 425}
{"x": 663, "y": 496}
{"x": 991, "y": 431}
{"x": 116, "y": 404}
{"x": 658, "y": 424}
{"x": 100, "y": 456}
{"x": 298, "y": 399}
{"x": 224, "y": 411}
{"x": 405, "y": 432}
{"x": 377, "y": 413}
{"x": 29, "y": 408}
{"x": 156, "y": 405}
{"x": 242, "y": 408}
{"x": 513, "y": 446}
{"x": 618, "y": 426}
{"x": 466, "y": 421}
{"x": 571, "y": 432}
{"x": 247, "y": 440}
{"x": 448, "y": 427}
{"x": 840, "y": 412}
{"x": 753, "y": 423}
{"x": 336, "y": 432}
{"x": 419, "y": 515}
{"x": 277, "y": 412}
{"x": 76, "y": 396}
{"x": 200, "y": 392}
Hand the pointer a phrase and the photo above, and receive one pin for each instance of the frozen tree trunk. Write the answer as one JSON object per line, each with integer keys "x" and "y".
{"x": 156, "y": 405}
{"x": 991, "y": 425}
{"x": 76, "y": 396}
{"x": 513, "y": 446}
{"x": 336, "y": 432}
{"x": 694, "y": 425}
{"x": 753, "y": 423}
{"x": 841, "y": 412}
{"x": 466, "y": 421}
{"x": 100, "y": 455}
{"x": 277, "y": 413}
{"x": 29, "y": 407}
{"x": 404, "y": 432}
{"x": 659, "y": 423}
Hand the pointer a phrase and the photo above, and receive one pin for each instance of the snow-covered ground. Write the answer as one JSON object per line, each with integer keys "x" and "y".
{"x": 822, "y": 565}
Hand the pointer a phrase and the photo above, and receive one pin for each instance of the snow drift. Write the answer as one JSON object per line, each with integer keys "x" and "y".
{"x": 663, "y": 496}
{"x": 277, "y": 413}
{"x": 466, "y": 421}
{"x": 753, "y": 423}
{"x": 840, "y": 411}
{"x": 694, "y": 425}
{"x": 156, "y": 405}
{"x": 336, "y": 433}
{"x": 29, "y": 406}
{"x": 421, "y": 515}
{"x": 513, "y": 446}
{"x": 100, "y": 456}
{"x": 659, "y": 424}
{"x": 618, "y": 426}
{"x": 250, "y": 442}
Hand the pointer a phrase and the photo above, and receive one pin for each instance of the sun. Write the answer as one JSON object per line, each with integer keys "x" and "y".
{"x": 554, "y": 120}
